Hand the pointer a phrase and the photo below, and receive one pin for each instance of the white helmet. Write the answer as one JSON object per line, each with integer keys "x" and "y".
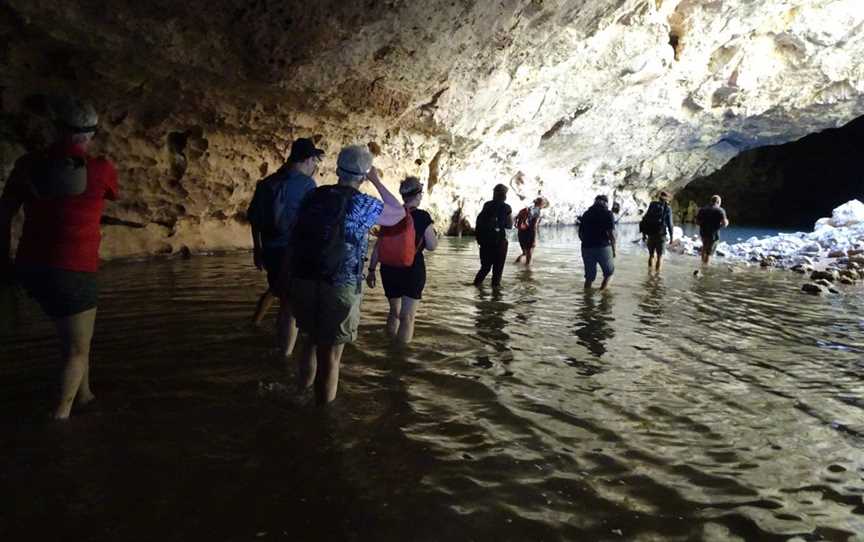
{"x": 77, "y": 115}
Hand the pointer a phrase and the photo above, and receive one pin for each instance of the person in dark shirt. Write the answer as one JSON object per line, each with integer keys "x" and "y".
{"x": 403, "y": 286}
{"x": 271, "y": 216}
{"x": 597, "y": 233}
{"x": 491, "y": 230}
{"x": 711, "y": 219}
{"x": 657, "y": 240}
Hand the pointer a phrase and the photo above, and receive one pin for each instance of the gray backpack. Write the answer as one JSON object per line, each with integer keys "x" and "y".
{"x": 59, "y": 177}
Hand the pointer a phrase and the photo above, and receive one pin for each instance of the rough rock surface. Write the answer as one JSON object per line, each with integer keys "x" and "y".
{"x": 789, "y": 185}
{"x": 559, "y": 97}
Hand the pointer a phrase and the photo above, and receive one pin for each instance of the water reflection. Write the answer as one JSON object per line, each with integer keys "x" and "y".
{"x": 594, "y": 323}
{"x": 728, "y": 402}
{"x": 652, "y": 299}
{"x": 491, "y": 323}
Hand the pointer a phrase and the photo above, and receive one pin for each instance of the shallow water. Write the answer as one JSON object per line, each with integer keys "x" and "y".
{"x": 736, "y": 234}
{"x": 670, "y": 408}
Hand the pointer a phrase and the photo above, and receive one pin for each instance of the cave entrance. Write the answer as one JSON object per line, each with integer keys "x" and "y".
{"x": 785, "y": 186}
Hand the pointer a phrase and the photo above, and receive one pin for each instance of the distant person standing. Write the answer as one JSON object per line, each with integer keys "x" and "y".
{"x": 711, "y": 219}
{"x": 616, "y": 214}
{"x": 403, "y": 268}
{"x": 655, "y": 224}
{"x": 272, "y": 215}
{"x": 491, "y": 231}
{"x": 527, "y": 225}
{"x": 597, "y": 233}
{"x": 63, "y": 191}
{"x": 331, "y": 239}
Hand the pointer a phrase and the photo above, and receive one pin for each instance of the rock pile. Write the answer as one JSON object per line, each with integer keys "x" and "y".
{"x": 833, "y": 253}
{"x": 839, "y": 238}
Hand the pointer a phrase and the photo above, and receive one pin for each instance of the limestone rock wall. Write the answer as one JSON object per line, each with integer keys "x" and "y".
{"x": 566, "y": 98}
{"x": 790, "y": 185}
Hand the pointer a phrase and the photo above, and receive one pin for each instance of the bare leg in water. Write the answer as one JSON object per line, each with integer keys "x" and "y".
{"x": 327, "y": 375}
{"x": 307, "y": 365}
{"x": 264, "y": 304}
{"x": 287, "y": 325}
{"x": 75, "y": 334}
{"x": 406, "y": 320}
{"x": 393, "y": 317}
{"x": 529, "y": 255}
{"x": 605, "y": 283}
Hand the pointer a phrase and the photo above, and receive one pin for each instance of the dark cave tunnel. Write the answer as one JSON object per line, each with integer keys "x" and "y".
{"x": 785, "y": 186}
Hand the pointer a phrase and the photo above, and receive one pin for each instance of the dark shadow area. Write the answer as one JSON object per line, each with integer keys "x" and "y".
{"x": 789, "y": 185}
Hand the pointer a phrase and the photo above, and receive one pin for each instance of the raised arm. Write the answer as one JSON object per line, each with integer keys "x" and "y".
{"x": 393, "y": 210}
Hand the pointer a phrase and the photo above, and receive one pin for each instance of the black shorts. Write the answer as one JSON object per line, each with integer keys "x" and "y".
{"x": 709, "y": 243}
{"x": 657, "y": 243}
{"x": 403, "y": 281}
{"x": 59, "y": 292}
{"x": 527, "y": 239}
{"x": 273, "y": 260}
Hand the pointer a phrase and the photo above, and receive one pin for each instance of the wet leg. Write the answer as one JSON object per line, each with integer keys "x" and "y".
{"x": 406, "y": 319}
{"x": 327, "y": 378}
{"x": 287, "y": 328}
{"x": 264, "y": 304}
{"x": 307, "y": 364}
{"x": 75, "y": 334}
{"x": 393, "y": 318}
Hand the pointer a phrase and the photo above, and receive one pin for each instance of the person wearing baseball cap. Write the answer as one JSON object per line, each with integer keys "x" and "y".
{"x": 63, "y": 192}
{"x": 327, "y": 288}
{"x": 272, "y": 214}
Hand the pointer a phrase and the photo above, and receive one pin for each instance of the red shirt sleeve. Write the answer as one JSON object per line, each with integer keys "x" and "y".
{"x": 108, "y": 174}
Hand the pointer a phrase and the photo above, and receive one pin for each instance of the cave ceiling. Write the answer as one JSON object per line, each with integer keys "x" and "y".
{"x": 566, "y": 98}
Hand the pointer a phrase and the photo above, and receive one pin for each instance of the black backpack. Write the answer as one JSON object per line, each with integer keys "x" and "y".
{"x": 652, "y": 222}
{"x": 488, "y": 228}
{"x": 266, "y": 212}
{"x": 319, "y": 247}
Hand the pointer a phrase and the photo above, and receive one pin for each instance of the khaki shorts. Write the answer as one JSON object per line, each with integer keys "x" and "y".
{"x": 329, "y": 314}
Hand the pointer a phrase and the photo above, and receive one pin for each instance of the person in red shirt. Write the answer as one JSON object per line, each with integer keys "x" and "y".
{"x": 63, "y": 192}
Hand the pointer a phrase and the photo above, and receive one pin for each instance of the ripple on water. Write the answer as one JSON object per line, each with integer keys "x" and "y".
{"x": 671, "y": 407}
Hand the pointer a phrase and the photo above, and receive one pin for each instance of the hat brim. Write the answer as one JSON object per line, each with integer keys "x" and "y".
{"x": 414, "y": 191}
{"x": 316, "y": 153}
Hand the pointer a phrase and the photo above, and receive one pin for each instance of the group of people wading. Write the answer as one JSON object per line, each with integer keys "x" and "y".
{"x": 311, "y": 240}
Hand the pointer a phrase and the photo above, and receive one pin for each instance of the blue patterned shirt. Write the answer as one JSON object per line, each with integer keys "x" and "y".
{"x": 362, "y": 214}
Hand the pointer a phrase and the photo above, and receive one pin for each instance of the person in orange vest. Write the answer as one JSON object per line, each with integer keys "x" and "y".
{"x": 404, "y": 280}
{"x": 527, "y": 224}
